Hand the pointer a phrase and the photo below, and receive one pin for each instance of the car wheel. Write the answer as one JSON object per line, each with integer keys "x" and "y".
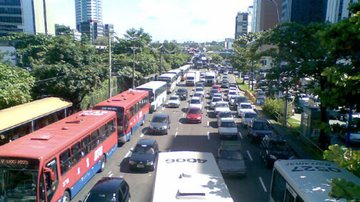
{"x": 66, "y": 197}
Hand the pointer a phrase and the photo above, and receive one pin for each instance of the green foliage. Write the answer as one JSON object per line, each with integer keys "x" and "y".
{"x": 344, "y": 157}
{"x": 176, "y": 60}
{"x": 15, "y": 86}
{"x": 63, "y": 30}
{"x": 215, "y": 58}
{"x": 275, "y": 108}
{"x": 341, "y": 188}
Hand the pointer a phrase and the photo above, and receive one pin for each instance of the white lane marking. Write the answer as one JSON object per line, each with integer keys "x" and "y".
{"x": 142, "y": 135}
{"x": 183, "y": 115}
{"x": 177, "y": 129}
{"x": 240, "y": 135}
{"x": 176, "y": 133}
{"x": 208, "y": 123}
{"x": 163, "y": 108}
{"x": 208, "y": 135}
{"x": 262, "y": 184}
{"x": 127, "y": 154}
{"x": 111, "y": 175}
{"x": 247, "y": 151}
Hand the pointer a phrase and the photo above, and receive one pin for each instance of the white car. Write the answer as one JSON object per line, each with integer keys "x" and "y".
{"x": 231, "y": 94}
{"x": 242, "y": 107}
{"x": 214, "y": 100}
{"x": 222, "y": 115}
{"x": 200, "y": 90}
{"x": 217, "y": 95}
{"x": 247, "y": 118}
{"x": 174, "y": 101}
{"x": 195, "y": 102}
{"x": 228, "y": 129}
{"x": 221, "y": 107}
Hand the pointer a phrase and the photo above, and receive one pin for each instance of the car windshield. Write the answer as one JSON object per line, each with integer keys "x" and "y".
{"x": 174, "y": 98}
{"x": 228, "y": 124}
{"x": 100, "y": 196}
{"x": 181, "y": 90}
{"x": 245, "y": 106}
{"x": 194, "y": 111}
{"x": 194, "y": 101}
{"x": 261, "y": 126}
{"x": 213, "y": 91}
{"x": 225, "y": 115}
{"x": 241, "y": 99}
{"x": 216, "y": 99}
{"x": 159, "y": 119}
{"x": 232, "y": 93}
{"x": 278, "y": 145}
{"x": 230, "y": 154}
{"x": 250, "y": 115}
{"x": 144, "y": 149}
{"x": 222, "y": 105}
{"x": 199, "y": 89}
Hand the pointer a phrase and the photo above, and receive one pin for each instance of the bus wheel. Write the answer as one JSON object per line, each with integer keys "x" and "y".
{"x": 66, "y": 197}
{"x": 103, "y": 162}
{"x": 143, "y": 121}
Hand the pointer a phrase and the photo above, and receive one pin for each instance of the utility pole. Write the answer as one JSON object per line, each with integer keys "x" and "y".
{"x": 110, "y": 71}
{"x": 161, "y": 52}
{"x": 133, "y": 48}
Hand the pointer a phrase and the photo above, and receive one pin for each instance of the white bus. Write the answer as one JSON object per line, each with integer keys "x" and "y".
{"x": 184, "y": 70}
{"x": 178, "y": 74}
{"x": 189, "y": 176}
{"x": 157, "y": 92}
{"x": 304, "y": 180}
{"x": 170, "y": 79}
{"x": 210, "y": 78}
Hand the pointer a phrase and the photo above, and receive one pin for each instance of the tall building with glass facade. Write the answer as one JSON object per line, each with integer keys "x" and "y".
{"x": 338, "y": 10}
{"x": 28, "y": 16}
{"x": 89, "y": 18}
{"x": 303, "y": 11}
{"x": 241, "y": 25}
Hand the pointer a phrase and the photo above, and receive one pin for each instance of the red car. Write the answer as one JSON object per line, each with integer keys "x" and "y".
{"x": 218, "y": 87}
{"x": 194, "y": 115}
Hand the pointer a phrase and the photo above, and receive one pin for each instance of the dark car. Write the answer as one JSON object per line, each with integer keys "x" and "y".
{"x": 109, "y": 189}
{"x": 182, "y": 93}
{"x": 159, "y": 124}
{"x": 274, "y": 148}
{"x": 144, "y": 155}
{"x": 259, "y": 128}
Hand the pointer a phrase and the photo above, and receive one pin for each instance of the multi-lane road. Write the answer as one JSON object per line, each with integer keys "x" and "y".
{"x": 188, "y": 137}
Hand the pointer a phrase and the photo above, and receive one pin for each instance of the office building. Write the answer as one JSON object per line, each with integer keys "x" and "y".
{"x": 338, "y": 10}
{"x": 241, "y": 25}
{"x": 28, "y": 16}
{"x": 89, "y": 18}
{"x": 228, "y": 45}
{"x": 303, "y": 11}
{"x": 266, "y": 14}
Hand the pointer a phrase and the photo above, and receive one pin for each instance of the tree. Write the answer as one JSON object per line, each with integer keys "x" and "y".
{"x": 15, "y": 86}
{"x": 63, "y": 30}
{"x": 215, "y": 58}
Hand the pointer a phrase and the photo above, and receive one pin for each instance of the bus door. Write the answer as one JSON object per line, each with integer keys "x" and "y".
{"x": 290, "y": 194}
{"x": 50, "y": 180}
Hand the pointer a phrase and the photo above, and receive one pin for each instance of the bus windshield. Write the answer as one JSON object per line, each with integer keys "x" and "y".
{"x": 18, "y": 180}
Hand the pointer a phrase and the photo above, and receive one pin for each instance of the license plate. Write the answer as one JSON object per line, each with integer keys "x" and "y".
{"x": 140, "y": 166}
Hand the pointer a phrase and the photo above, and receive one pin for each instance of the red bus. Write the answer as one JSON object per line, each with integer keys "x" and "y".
{"x": 55, "y": 162}
{"x": 130, "y": 106}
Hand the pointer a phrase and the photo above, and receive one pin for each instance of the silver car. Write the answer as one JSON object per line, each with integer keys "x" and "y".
{"x": 174, "y": 101}
{"x": 228, "y": 129}
{"x": 230, "y": 159}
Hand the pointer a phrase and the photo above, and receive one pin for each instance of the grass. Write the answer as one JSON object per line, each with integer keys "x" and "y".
{"x": 294, "y": 124}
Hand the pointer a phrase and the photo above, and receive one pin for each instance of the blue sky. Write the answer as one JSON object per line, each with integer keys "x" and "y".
{"x": 181, "y": 20}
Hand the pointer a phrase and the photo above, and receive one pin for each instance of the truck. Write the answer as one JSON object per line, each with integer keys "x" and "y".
{"x": 192, "y": 78}
{"x": 210, "y": 78}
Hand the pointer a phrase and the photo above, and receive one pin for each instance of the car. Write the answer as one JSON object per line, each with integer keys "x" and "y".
{"x": 182, "y": 93}
{"x": 144, "y": 155}
{"x": 214, "y": 100}
{"x": 231, "y": 94}
{"x": 159, "y": 124}
{"x": 248, "y": 117}
{"x": 259, "y": 128}
{"x": 228, "y": 129}
{"x": 217, "y": 87}
{"x": 274, "y": 148}
{"x": 199, "y": 90}
{"x": 217, "y": 95}
{"x": 200, "y": 84}
{"x": 233, "y": 85}
{"x": 212, "y": 92}
{"x": 195, "y": 102}
{"x": 194, "y": 115}
{"x": 223, "y": 115}
{"x": 240, "y": 99}
{"x": 174, "y": 101}
{"x": 243, "y": 107}
{"x": 109, "y": 189}
{"x": 230, "y": 159}
{"x": 199, "y": 95}
{"x": 221, "y": 106}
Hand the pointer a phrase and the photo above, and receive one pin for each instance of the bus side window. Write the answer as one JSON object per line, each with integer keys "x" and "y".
{"x": 65, "y": 161}
{"x": 84, "y": 146}
{"x": 76, "y": 152}
{"x": 102, "y": 133}
{"x": 50, "y": 185}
